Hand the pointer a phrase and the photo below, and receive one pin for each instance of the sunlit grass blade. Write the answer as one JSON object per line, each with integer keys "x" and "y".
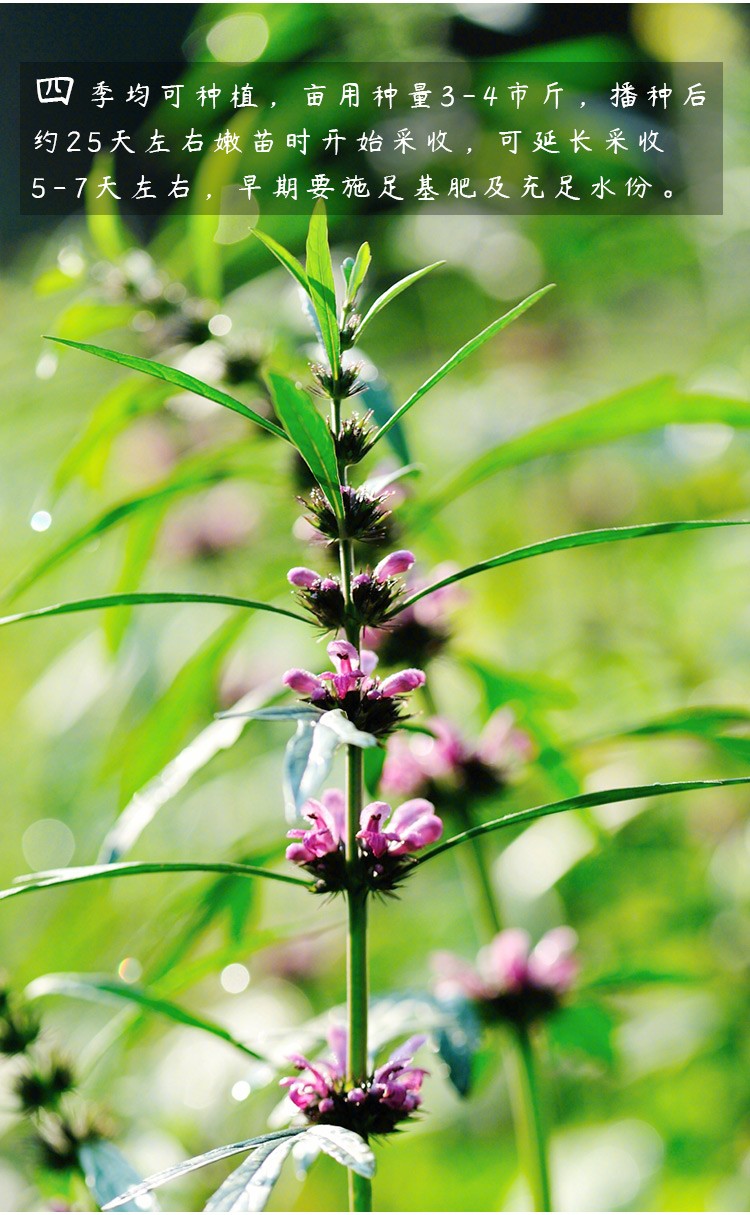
{"x": 605, "y": 535}
{"x": 583, "y": 801}
{"x": 180, "y": 379}
{"x": 321, "y": 286}
{"x": 460, "y": 355}
{"x": 109, "y": 601}
{"x": 103, "y": 989}
{"x": 638, "y": 410}
{"x": 200, "y": 1162}
{"x": 287, "y": 259}
{"x": 249, "y": 1187}
{"x": 383, "y": 300}
{"x": 94, "y": 873}
{"x": 146, "y": 803}
{"x": 310, "y": 435}
{"x": 107, "y": 1173}
{"x": 122, "y": 511}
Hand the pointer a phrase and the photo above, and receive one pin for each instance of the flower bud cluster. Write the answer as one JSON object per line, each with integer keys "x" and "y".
{"x": 373, "y": 593}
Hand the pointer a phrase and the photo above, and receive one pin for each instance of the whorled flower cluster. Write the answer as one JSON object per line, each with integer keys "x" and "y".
{"x": 374, "y": 705}
{"x": 445, "y": 766}
{"x": 390, "y": 1095}
{"x": 373, "y": 593}
{"x": 512, "y": 981}
{"x": 387, "y": 840}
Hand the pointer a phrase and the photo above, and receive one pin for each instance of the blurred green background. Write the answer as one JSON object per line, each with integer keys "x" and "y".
{"x": 650, "y": 1100}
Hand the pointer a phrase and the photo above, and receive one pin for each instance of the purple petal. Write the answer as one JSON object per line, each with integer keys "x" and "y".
{"x": 396, "y": 563}
{"x": 343, "y": 655}
{"x": 302, "y": 681}
{"x": 402, "y": 682}
{"x": 504, "y": 962}
{"x": 303, "y": 577}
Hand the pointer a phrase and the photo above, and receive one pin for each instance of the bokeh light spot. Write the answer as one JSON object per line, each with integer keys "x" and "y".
{"x": 239, "y": 38}
{"x": 48, "y": 843}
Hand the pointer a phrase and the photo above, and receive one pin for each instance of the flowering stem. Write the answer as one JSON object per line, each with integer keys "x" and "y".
{"x": 357, "y": 987}
{"x": 532, "y": 1142}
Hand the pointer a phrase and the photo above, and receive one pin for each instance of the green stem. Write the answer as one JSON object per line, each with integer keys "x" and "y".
{"x": 532, "y": 1142}
{"x": 357, "y": 985}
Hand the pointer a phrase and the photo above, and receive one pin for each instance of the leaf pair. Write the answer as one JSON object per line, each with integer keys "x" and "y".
{"x": 249, "y": 1186}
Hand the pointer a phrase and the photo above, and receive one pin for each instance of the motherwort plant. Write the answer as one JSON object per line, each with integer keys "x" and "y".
{"x": 340, "y": 843}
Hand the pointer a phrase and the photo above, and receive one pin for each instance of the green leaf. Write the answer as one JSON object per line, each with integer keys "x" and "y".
{"x": 321, "y": 285}
{"x": 585, "y": 1028}
{"x": 345, "y": 730}
{"x": 307, "y": 761}
{"x": 583, "y": 800}
{"x": 108, "y": 601}
{"x": 357, "y": 273}
{"x": 383, "y": 300}
{"x": 107, "y": 1173}
{"x": 459, "y": 357}
{"x": 345, "y": 1147}
{"x": 249, "y": 1187}
{"x": 180, "y": 379}
{"x": 277, "y": 713}
{"x": 105, "y": 225}
{"x": 103, "y": 989}
{"x": 287, "y": 259}
{"x": 310, "y": 435}
{"x": 634, "y": 411}
{"x": 701, "y": 721}
{"x": 93, "y": 873}
{"x": 199, "y": 1162}
{"x": 378, "y": 400}
{"x": 86, "y": 318}
{"x": 605, "y": 535}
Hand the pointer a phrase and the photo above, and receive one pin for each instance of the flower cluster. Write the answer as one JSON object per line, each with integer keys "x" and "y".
{"x": 448, "y": 767}
{"x": 387, "y": 839}
{"x": 366, "y": 518}
{"x": 421, "y": 630}
{"x": 373, "y": 705}
{"x": 373, "y": 593}
{"x": 375, "y": 1107}
{"x": 511, "y": 981}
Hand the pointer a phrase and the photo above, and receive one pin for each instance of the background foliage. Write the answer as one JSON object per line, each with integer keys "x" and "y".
{"x": 648, "y": 1080}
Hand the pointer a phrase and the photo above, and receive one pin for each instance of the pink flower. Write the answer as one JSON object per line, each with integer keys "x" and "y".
{"x": 383, "y": 832}
{"x": 446, "y": 759}
{"x": 376, "y": 1105}
{"x": 396, "y": 563}
{"x": 510, "y": 975}
{"x": 353, "y": 673}
{"x": 413, "y": 825}
{"x": 328, "y": 818}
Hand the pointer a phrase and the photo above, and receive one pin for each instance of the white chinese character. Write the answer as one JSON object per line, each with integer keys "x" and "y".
{"x": 420, "y": 93}
{"x": 425, "y": 191}
{"x": 495, "y": 189}
{"x": 553, "y": 91}
{"x": 518, "y": 93}
{"x": 107, "y": 186}
{"x": 320, "y": 186}
{"x": 205, "y": 95}
{"x": 315, "y": 94}
{"x": 369, "y": 143}
{"x": 350, "y": 95}
{"x": 663, "y": 94}
{"x": 228, "y": 141}
{"x": 263, "y": 141}
{"x": 172, "y": 94}
{"x": 566, "y": 187}
{"x": 332, "y": 140}
{"x": 403, "y": 142}
{"x": 157, "y": 143}
{"x": 531, "y": 186}
{"x": 46, "y": 140}
{"x": 459, "y": 188}
{"x": 294, "y": 140}
{"x": 385, "y": 96}
{"x": 623, "y": 95}
{"x": 355, "y": 187}
{"x": 601, "y": 187}
{"x": 546, "y": 141}
{"x": 509, "y": 139}
{"x": 436, "y": 141}
{"x": 138, "y": 94}
{"x": 54, "y": 88}
{"x": 180, "y": 188}
{"x": 389, "y": 188}
{"x": 101, "y": 94}
{"x": 242, "y": 98}
{"x": 647, "y": 141}
{"x": 122, "y": 140}
{"x": 143, "y": 189}
{"x": 637, "y": 187}
{"x": 193, "y": 141}
{"x": 286, "y": 187}
{"x": 579, "y": 141}
{"x": 616, "y": 142}
{"x": 696, "y": 95}
{"x": 249, "y": 186}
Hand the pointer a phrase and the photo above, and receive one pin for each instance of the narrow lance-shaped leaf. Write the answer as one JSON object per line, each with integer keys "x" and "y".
{"x": 108, "y": 601}
{"x": 199, "y": 1162}
{"x": 459, "y": 357}
{"x": 634, "y": 411}
{"x": 93, "y": 873}
{"x": 310, "y": 435}
{"x": 103, "y": 989}
{"x": 249, "y": 1187}
{"x": 180, "y": 379}
{"x": 287, "y": 259}
{"x": 607, "y": 535}
{"x": 383, "y": 300}
{"x": 357, "y": 273}
{"x": 322, "y": 289}
{"x": 602, "y": 798}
